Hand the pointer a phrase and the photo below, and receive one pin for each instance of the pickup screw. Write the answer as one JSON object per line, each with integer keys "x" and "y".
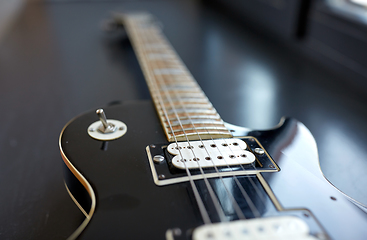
{"x": 161, "y": 176}
{"x": 158, "y": 158}
{"x": 177, "y": 232}
{"x": 259, "y": 151}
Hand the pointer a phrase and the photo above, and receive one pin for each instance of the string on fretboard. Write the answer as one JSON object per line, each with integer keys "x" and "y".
{"x": 185, "y": 112}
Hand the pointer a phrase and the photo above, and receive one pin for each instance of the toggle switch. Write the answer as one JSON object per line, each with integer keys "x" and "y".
{"x": 106, "y": 129}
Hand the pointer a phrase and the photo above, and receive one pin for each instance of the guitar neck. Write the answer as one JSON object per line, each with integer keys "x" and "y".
{"x": 184, "y": 110}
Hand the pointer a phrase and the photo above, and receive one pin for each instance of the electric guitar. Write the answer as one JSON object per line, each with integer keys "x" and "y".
{"x": 198, "y": 178}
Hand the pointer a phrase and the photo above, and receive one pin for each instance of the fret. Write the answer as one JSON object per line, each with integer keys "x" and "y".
{"x": 194, "y": 122}
{"x": 166, "y": 84}
{"x": 189, "y": 95}
{"x": 207, "y": 128}
{"x": 175, "y": 88}
{"x": 178, "y": 78}
{"x": 181, "y": 104}
{"x": 178, "y": 106}
{"x": 180, "y": 91}
{"x": 185, "y": 116}
{"x": 194, "y": 91}
{"x": 177, "y": 85}
{"x": 156, "y": 46}
{"x": 167, "y": 103}
{"x": 198, "y": 125}
{"x": 158, "y": 63}
{"x": 192, "y": 115}
{"x": 168, "y": 71}
{"x": 169, "y": 85}
{"x": 166, "y": 63}
{"x": 190, "y": 110}
{"x": 178, "y": 100}
{"x": 160, "y": 56}
{"x": 201, "y": 134}
{"x": 193, "y": 110}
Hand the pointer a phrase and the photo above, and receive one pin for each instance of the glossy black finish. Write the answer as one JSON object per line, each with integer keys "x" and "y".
{"x": 128, "y": 199}
{"x": 55, "y": 60}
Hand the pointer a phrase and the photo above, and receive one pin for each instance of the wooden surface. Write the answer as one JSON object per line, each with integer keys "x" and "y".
{"x": 56, "y": 63}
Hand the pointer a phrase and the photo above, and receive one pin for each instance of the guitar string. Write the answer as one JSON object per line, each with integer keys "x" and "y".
{"x": 202, "y": 209}
{"x": 199, "y": 201}
{"x": 250, "y": 203}
{"x": 247, "y": 198}
{"x": 249, "y": 178}
{"x": 238, "y": 211}
{"x": 261, "y": 196}
{"x": 253, "y": 208}
{"x": 207, "y": 183}
{"x": 234, "y": 202}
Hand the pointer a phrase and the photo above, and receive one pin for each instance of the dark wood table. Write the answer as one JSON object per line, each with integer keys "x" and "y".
{"x": 55, "y": 63}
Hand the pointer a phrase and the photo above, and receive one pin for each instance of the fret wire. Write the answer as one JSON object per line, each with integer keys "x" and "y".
{"x": 211, "y": 192}
{"x": 201, "y": 206}
{"x": 190, "y": 122}
{"x": 239, "y": 212}
{"x": 161, "y": 39}
{"x": 188, "y": 116}
{"x": 195, "y": 117}
{"x": 200, "y": 128}
{"x": 235, "y": 204}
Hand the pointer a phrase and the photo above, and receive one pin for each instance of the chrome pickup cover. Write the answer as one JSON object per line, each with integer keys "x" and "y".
{"x": 274, "y": 228}
{"x": 210, "y": 153}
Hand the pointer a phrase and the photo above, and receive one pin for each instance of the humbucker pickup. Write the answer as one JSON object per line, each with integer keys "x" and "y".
{"x": 210, "y": 153}
{"x": 275, "y": 228}
{"x": 209, "y": 159}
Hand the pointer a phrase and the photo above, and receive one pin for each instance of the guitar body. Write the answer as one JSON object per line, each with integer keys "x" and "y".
{"x": 174, "y": 170}
{"x": 113, "y": 183}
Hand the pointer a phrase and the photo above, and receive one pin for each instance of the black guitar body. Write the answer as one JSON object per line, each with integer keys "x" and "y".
{"x": 129, "y": 205}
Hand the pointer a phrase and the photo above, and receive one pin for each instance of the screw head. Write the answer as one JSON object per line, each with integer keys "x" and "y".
{"x": 152, "y": 146}
{"x": 158, "y": 158}
{"x": 177, "y": 232}
{"x": 161, "y": 176}
{"x": 259, "y": 151}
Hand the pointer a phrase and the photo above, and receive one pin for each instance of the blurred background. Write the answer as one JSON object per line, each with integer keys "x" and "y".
{"x": 257, "y": 60}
